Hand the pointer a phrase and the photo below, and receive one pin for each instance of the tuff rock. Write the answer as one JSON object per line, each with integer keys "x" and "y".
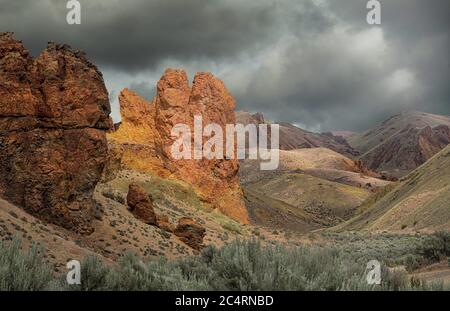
{"x": 141, "y": 205}
{"x": 145, "y": 137}
{"x": 190, "y": 233}
{"x": 54, "y": 114}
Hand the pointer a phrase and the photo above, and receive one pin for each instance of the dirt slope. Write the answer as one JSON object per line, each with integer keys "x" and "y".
{"x": 420, "y": 201}
{"x": 320, "y": 162}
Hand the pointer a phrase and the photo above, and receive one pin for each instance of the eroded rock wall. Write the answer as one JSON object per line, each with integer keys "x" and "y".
{"x": 54, "y": 114}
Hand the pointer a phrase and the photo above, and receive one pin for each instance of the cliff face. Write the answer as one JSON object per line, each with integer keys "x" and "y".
{"x": 54, "y": 113}
{"x": 145, "y": 136}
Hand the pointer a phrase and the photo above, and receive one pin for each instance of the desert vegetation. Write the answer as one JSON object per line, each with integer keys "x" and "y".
{"x": 244, "y": 266}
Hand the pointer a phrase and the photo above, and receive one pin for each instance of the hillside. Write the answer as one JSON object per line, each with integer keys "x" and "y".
{"x": 312, "y": 188}
{"x": 292, "y": 137}
{"x": 59, "y": 245}
{"x": 420, "y": 201}
{"x": 318, "y": 202}
{"x": 344, "y": 134}
{"x": 403, "y": 142}
{"x": 320, "y": 162}
{"x": 116, "y": 230}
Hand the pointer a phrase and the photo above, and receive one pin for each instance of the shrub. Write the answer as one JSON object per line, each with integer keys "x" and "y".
{"x": 232, "y": 227}
{"x": 239, "y": 266}
{"x": 436, "y": 247}
{"x": 114, "y": 195}
{"x": 22, "y": 271}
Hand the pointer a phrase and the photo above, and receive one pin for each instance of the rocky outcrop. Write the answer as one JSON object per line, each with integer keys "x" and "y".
{"x": 54, "y": 113}
{"x": 113, "y": 163}
{"x": 145, "y": 136}
{"x": 190, "y": 233}
{"x": 136, "y": 137}
{"x": 164, "y": 223}
{"x": 141, "y": 205}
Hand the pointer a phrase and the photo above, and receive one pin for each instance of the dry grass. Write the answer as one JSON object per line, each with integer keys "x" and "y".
{"x": 420, "y": 201}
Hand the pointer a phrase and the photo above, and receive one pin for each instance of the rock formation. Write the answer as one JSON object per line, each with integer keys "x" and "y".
{"x": 190, "y": 233}
{"x": 113, "y": 163}
{"x": 164, "y": 223}
{"x": 145, "y": 136}
{"x": 54, "y": 114}
{"x": 140, "y": 204}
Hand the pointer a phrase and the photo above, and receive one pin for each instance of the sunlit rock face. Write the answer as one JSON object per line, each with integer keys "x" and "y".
{"x": 146, "y": 140}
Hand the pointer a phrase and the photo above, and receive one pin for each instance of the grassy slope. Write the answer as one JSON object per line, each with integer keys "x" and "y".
{"x": 266, "y": 211}
{"x": 116, "y": 229}
{"x": 327, "y": 202}
{"x": 319, "y": 162}
{"x": 419, "y": 202}
{"x": 248, "y": 265}
{"x": 59, "y": 245}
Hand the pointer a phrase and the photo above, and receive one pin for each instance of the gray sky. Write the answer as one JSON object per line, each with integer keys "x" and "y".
{"x": 315, "y": 63}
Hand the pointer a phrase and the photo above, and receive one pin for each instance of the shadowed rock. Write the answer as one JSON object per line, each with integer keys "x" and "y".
{"x": 54, "y": 113}
{"x": 140, "y": 204}
{"x": 190, "y": 233}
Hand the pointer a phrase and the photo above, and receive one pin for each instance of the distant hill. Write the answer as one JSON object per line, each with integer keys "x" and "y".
{"x": 305, "y": 198}
{"x": 292, "y": 137}
{"x": 319, "y": 162}
{"x": 403, "y": 142}
{"x": 420, "y": 201}
{"x": 312, "y": 188}
{"x": 344, "y": 134}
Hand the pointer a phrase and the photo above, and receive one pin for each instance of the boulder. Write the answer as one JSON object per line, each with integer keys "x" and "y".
{"x": 190, "y": 233}
{"x": 140, "y": 204}
{"x": 164, "y": 223}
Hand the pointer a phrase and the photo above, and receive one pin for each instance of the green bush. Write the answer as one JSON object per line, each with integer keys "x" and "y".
{"x": 240, "y": 266}
{"x": 436, "y": 247}
{"x": 244, "y": 266}
{"x": 23, "y": 271}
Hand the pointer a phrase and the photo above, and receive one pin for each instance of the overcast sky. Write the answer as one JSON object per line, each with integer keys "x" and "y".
{"x": 315, "y": 63}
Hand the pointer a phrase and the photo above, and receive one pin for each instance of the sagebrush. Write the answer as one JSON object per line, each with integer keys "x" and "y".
{"x": 241, "y": 265}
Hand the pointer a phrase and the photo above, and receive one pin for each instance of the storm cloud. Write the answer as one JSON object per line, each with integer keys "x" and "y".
{"x": 315, "y": 63}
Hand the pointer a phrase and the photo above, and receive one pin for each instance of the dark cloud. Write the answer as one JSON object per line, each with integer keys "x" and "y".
{"x": 316, "y": 63}
{"x": 144, "y": 89}
{"x": 137, "y": 34}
